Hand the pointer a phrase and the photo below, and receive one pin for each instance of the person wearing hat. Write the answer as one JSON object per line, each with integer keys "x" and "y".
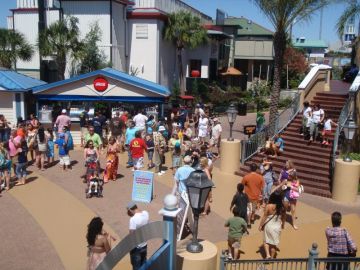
{"x": 129, "y": 136}
{"x": 216, "y": 134}
{"x": 181, "y": 175}
{"x": 62, "y": 120}
{"x": 138, "y": 219}
{"x": 159, "y": 150}
{"x": 63, "y": 152}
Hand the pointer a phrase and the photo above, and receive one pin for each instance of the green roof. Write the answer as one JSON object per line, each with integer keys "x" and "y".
{"x": 248, "y": 27}
{"x": 310, "y": 44}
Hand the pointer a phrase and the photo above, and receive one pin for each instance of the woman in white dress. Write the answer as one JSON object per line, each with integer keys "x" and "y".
{"x": 203, "y": 128}
{"x": 272, "y": 223}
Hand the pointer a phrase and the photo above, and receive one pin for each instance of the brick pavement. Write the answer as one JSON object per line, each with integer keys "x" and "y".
{"x": 112, "y": 209}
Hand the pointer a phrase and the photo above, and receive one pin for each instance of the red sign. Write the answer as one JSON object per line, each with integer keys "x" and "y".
{"x": 101, "y": 84}
{"x": 195, "y": 73}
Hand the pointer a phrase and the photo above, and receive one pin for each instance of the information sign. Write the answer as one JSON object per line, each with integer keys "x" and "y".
{"x": 143, "y": 186}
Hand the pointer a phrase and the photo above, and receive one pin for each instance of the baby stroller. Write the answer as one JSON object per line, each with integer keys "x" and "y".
{"x": 95, "y": 186}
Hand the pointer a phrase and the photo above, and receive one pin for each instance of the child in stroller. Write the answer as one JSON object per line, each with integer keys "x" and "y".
{"x": 95, "y": 186}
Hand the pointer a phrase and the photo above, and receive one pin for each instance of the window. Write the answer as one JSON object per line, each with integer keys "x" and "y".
{"x": 195, "y": 68}
{"x": 141, "y": 31}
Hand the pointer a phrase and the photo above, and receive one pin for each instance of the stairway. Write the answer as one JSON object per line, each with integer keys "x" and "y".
{"x": 312, "y": 161}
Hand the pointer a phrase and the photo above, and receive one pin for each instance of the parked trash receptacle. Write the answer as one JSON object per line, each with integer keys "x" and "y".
{"x": 242, "y": 108}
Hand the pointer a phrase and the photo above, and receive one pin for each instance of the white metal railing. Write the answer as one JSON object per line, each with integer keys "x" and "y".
{"x": 251, "y": 146}
{"x": 348, "y": 109}
{"x": 170, "y": 6}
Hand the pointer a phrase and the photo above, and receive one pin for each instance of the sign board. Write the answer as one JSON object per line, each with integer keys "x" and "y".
{"x": 143, "y": 186}
{"x": 220, "y": 17}
{"x": 184, "y": 215}
{"x": 100, "y": 84}
{"x": 249, "y": 130}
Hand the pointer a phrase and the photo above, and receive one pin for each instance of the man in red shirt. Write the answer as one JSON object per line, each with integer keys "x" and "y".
{"x": 254, "y": 184}
{"x": 137, "y": 149}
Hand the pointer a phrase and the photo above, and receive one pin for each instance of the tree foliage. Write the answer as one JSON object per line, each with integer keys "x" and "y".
{"x": 61, "y": 40}
{"x": 352, "y": 10}
{"x": 186, "y": 32}
{"x": 282, "y": 13}
{"x": 91, "y": 58}
{"x": 13, "y": 46}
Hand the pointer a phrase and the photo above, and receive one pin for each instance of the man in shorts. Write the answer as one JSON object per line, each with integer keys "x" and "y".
{"x": 84, "y": 122}
{"x": 216, "y": 134}
{"x": 137, "y": 149}
{"x": 237, "y": 227}
{"x": 254, "y": 184}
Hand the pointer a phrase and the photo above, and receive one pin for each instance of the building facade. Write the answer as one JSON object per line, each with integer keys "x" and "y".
{"x": 132, "y": 35}
{"x": 251, "y": 50}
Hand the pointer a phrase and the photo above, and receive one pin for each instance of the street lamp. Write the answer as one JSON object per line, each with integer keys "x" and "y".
{"x": 350, "y": 128}
{"x": 231, "y": 114}
{"x": 198, "y": 187}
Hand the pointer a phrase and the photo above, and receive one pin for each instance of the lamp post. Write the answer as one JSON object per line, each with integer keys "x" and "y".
{"x": 198, "y": 187}
{"x": 350, "y": 128}
{"x": 231, "y": 113}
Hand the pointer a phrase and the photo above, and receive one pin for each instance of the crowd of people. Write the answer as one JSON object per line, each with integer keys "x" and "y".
{"x": 193, "y": 141}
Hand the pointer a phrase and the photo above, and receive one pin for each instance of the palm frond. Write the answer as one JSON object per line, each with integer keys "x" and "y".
{"x": 351, "y": 10}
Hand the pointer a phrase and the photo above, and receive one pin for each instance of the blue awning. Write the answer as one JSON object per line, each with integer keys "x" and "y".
{"x": 101, "y": 98}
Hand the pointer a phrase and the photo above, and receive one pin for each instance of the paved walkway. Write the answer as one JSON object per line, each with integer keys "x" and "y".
{"x": 45, "y": 220}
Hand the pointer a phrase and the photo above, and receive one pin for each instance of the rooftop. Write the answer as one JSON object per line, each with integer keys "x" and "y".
{"x": 111, "y": 73}
{"x": 304, "y": 43}
{"x": 248, "y": 27}
{"x": 12, "y": 81}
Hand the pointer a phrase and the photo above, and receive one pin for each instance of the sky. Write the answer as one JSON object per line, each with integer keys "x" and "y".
{"x": 245, "y": 8}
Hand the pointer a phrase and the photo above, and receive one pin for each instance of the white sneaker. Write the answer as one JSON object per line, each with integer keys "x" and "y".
{"x": 132, "y": 169}
{"x": 160, "y": 174}
{"x": 2, "y": 186}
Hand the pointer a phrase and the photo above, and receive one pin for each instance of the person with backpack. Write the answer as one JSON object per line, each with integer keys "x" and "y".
{"x": 21, "y": 164}
{"x": 116, "y": 127}
{"x": 63, "y": 152}
{"x": 84, "y": 123}
{"x": 41, "y": 148}
{"x": 68, "y": 140}
{"x": 5, "y": 165}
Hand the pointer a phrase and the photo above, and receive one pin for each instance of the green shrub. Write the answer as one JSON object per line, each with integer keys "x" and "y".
{"x": 285, "y": 102}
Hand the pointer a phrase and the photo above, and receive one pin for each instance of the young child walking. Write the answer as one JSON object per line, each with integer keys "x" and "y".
{"x": 237, "y": 227}
{"x": 326, "y": 133}
{"x": 22, "y": 163}
{"x": 50, "y": 143}
{"x": 63, "y": 152}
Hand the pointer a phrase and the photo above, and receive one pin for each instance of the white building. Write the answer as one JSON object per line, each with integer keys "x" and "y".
{"x": 131, "y": 35}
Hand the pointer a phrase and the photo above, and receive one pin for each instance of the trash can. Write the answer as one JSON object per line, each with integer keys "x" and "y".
{"x": 242, "y": 108}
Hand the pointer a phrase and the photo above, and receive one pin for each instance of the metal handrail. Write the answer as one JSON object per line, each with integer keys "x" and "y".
{"x": 349, "y": 108}
{"x": 251, "y": 146}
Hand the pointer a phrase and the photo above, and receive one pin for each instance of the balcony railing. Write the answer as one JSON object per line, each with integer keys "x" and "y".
{"x": 170, "y": 6}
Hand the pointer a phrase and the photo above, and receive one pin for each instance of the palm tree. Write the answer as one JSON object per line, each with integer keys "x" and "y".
{"x": 13, "y": 46}
{"x": 282, "y": 14}
{"x": 185, "y": 31}
{"x": 351, "y": 11}
{"x": 61, "y": 40}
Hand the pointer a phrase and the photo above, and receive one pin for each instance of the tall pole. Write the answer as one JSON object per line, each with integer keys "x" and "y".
{"x": 41, "y": 28}
{"x": 321, "y": 22}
